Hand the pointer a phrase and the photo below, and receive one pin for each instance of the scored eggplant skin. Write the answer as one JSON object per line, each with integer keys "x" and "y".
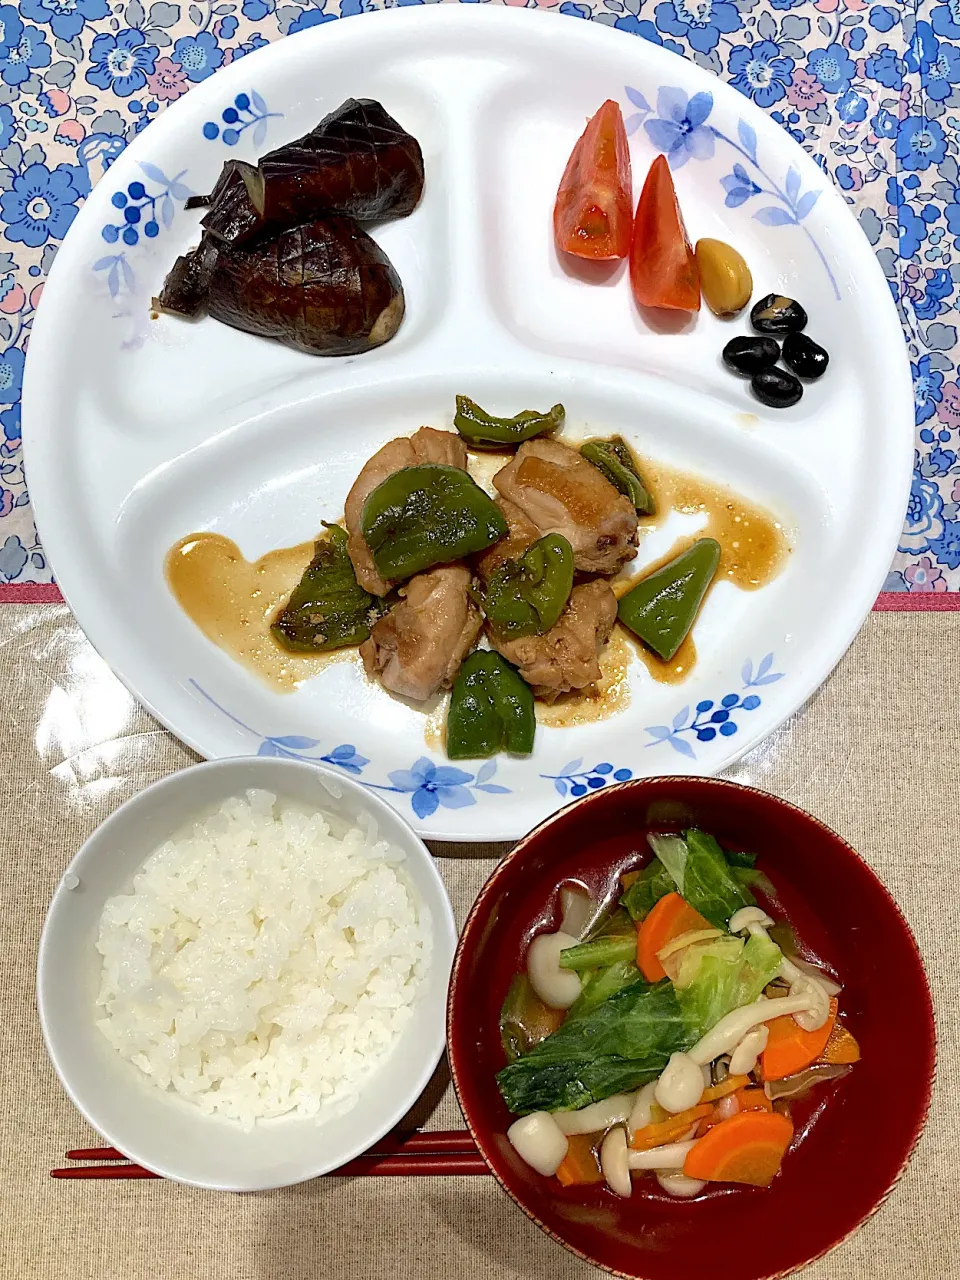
{"x": 324, "y": 287}
{"x": 232, "y": 213}
{"x": 358, "y": 161}
{"x": 185, "y": 289}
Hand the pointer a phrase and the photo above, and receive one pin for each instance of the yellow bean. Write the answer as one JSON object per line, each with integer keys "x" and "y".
{"x": 725, "y": 279}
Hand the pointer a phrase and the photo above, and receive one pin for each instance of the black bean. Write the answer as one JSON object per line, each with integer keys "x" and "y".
{"x": 776, "y": 388}
{"x": 748, "y": 355}
{"x": 804, "y": 356}
{"x": 777, "y": 314}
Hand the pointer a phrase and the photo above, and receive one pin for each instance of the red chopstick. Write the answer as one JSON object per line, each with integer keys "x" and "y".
{"x": 419, "y": 1154}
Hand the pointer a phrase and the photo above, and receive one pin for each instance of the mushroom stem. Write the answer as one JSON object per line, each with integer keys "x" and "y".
{"x": 596, "y": 1116}
{"x": 615, "y": 1163}
{"x": 640, "y": 1115}
{"x": 731, "y": 1028}
{"x": 755, "y": 921}
{"x": 671, "y": 1156}
{"x": 745, "y": 1055}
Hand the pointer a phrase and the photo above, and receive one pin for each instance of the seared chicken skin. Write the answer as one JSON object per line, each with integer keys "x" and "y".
{"x": 417, "y": 648}
{"x": 559, "y": 491}
{"x": 565, "y": 657}
{"x": 425, "y": 445}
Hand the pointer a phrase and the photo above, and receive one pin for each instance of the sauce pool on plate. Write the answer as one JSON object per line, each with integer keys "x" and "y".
{"x": 233, "y": 601}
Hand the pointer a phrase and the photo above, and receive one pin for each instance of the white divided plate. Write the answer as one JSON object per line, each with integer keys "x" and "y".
{"x": 138, "y": 432}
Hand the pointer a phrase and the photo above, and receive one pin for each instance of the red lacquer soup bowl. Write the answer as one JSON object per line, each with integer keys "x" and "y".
{"x": 853, "y": 1137}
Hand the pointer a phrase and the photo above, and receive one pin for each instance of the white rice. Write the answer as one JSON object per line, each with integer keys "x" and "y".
{"x": 263, "y": 964}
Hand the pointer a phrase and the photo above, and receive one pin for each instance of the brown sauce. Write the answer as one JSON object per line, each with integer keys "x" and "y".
{"x": 753, "y": 543}
{"x": 673, "y": 672}
{"x": 233, "y": 601}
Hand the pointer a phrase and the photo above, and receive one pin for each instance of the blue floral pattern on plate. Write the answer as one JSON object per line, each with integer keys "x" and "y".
{"x": 680, "y": 129}
{"x": 430, "y": 786}
{"x": 248, "y": 111}
{"x": 137, "y": 209}
{"x": 709, "y": 718}
{"x": 576, "y": 781}
{"x": 144, "y": 207}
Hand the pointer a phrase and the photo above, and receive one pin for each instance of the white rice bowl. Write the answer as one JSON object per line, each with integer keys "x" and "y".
{"x": 265, "y": 962}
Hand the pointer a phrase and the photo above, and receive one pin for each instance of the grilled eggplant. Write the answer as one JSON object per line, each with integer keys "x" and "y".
{"x": 185, "y": 289}
{"x": 235, "y": 205}
{"x": 281, "y": 255}
{"x": 357, "y": 162}
{"x": 324, "y": 287}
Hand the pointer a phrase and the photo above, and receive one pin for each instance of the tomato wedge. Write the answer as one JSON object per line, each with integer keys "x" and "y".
{"x": 663, "y": 269}
{"x": 592, "y": 216}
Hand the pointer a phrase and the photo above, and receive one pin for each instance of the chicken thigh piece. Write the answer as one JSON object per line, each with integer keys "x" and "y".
{"x": 417, "y": 648}
{"x": 567, "y": 656}
{"x": 561, "y": 492}
{"x": 425, "y": 445}
{"x": 521, "y": 534}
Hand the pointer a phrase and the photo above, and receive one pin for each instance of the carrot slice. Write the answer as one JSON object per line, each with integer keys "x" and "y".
{"x": 753, "y": 1099}
{"x": 670, "y": 917}
{"x": 790, "y": 1048}
{"x": 580, "y": 1166}
{"x": 730, "y": 1085}
{"x": 656, "y": 1135}
{"x": 842, "y": 1046}
{"x": 746, "y": 1148}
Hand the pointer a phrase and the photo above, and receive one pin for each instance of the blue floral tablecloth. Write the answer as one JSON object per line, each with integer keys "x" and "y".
{"x": 872, "y": 90}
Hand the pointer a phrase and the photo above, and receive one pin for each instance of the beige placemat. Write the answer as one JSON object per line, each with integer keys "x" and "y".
{"x": 874, "y": 755}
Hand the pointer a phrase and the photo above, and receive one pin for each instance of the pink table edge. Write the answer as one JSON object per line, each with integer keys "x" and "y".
{"x": 886, "y": 602}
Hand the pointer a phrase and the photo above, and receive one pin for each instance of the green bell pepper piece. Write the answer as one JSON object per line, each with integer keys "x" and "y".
{"x": 491, "y": 709}
{"x": 427, "y": 515}
{"x": 614, "y": 459}
{"x": 662, "y": 608}
{"x": 328, "y": 609}
{"x": 483, "y": 431}
{"x": 526, "y": 596}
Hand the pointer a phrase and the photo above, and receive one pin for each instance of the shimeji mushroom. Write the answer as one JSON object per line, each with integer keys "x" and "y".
{"x": 537, "y": 1139}
{"x": 597, "y": 1116}
{"x": 615, "y": 1162}
{"x": 731, "y": 1029}
{"x": 813, "y": 1015}
{"x": 680, "y": 1085}
{"x": 745, "y": 1055}
{"x": 556, "y": 987}
{"x": 578, "y": 909}
{"x": 640, "y": 1115}
{"x": 678, "y": 1184}
{"x": 671, "y": 1156}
